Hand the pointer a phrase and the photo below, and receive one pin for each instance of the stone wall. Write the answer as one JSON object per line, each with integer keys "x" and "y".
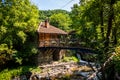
{"x": 49, "y": 55}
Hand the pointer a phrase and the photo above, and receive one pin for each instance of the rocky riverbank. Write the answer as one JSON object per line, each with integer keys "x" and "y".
{"x": 61, "y": 71}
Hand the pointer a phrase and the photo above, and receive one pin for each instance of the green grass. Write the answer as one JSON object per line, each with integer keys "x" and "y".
{"x": 67, "y": 59}
{"x": 7, "y": 74}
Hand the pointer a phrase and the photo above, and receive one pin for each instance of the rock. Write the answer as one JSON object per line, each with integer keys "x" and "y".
{"x": 67, "y": 67}
{"x": 23, "y": 77}
{"x": 15, "y": 78}
{"x": 28, "y": 74}
{"x": 35, "y": 77}
{"x": 58, "y": 70}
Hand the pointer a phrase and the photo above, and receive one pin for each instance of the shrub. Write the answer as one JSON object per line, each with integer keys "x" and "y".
{"x": 7, "y": 74}
{"x": 116, "y": 59}
{"x": 67, "y": 59}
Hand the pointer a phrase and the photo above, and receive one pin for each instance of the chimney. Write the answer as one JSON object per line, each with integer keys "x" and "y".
{"x": 47, "y": 23}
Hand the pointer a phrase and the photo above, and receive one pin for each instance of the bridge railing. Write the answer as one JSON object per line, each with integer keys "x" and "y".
{"x": 59, "y": 43}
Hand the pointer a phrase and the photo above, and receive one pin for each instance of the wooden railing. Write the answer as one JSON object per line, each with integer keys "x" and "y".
{"x": 59, "y": 43}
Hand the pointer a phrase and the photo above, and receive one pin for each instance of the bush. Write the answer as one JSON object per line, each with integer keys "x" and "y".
{"x": 7, "y": 74}
{"x": 116, "y": 59}
{"x": 67, "y": 59}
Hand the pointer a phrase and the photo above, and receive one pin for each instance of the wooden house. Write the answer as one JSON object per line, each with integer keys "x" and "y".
{"x": 50, "y": 36}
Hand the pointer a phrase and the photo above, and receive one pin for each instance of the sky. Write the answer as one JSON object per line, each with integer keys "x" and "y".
{"x": 54, "y": 4}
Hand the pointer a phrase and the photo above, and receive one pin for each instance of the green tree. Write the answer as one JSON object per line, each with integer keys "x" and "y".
{"x": 18, "y": 23}
{"x": 98, "y": 21}
{"x": 85, "y": 23}
{"x": 47, "y": 13}
{"x": 61, "y": 21}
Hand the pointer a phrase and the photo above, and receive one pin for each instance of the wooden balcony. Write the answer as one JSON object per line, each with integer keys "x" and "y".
{"x": 59, "y": 43}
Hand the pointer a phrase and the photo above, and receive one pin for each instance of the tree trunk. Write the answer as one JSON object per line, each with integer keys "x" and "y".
{"x": 109, "y": 28}
{"x": 111, "y": 75}
{"x": 114, "y": 35}
{"x": 101, "y": 19}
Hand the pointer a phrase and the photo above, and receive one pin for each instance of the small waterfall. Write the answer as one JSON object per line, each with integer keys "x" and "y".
{"x": 80, "y": 59}
{"x": 95, "y": 74}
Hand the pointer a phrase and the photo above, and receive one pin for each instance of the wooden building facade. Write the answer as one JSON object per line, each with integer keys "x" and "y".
{"x": 50, "y": 36}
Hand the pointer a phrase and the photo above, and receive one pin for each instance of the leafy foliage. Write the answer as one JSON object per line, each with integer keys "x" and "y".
{"x": 72, "y": 58}
{"x": 5, "y": 53}
{"x": 47, "y": 13}
{"x": 91, "y": 20}
{"x": 18, "y": 24}
{"x": 17, "y": 72}
{"x": 116, "y": 59}
{"x": 96, "y": 23}
{"x": 61, "y": 21}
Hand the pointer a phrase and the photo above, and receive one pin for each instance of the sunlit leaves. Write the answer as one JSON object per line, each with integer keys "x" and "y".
{"x": 22, "y": 36}
{"x": 47, "y": 13}
{"x": 3, "y": 30}
{"x": 61, "y": 20}
{"x": 98, "y": 24}
{"x": 5, "y": 53}
{"x": 3, "y": 47}
{"x": 18, "y": 23}
{"x": 116, "y": 59}
{"x": 90, "y": 11}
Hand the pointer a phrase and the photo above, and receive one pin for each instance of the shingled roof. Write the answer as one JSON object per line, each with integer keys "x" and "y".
{"x": 45, "y": 27}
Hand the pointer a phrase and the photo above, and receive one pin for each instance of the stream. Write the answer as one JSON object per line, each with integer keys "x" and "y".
{"x": 62, "y": 71}
{"x": 65, "y": 71}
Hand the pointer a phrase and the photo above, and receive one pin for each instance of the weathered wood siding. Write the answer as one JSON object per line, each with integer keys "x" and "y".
{"x": 45, "y": 39}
